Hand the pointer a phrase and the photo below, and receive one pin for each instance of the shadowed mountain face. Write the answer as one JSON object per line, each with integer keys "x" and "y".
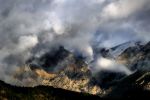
{"x": 135, "y": 86}
{"x": 50, "y": 60}
{"x": 8, "y": 92}
{"x": 107, "y": 79}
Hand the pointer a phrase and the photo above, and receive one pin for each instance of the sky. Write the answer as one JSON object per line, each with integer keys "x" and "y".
{"x": 32, "y": 27}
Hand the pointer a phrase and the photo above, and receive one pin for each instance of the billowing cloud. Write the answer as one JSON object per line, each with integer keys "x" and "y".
{"x": 110, "y": 65}
{"x": 29, "y": 27}
{"x": 130, "y": 15}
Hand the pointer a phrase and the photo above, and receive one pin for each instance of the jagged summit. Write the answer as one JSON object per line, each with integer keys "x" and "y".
{"x": 62, "y": 69}
{"x": 136, "y": 57}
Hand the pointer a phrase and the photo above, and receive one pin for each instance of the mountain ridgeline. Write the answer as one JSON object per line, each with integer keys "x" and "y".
{"x": 62, "y": 69}
{"x": 9, "y": 92}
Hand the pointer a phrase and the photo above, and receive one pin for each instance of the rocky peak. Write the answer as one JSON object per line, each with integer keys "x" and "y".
{"x": 61, "y": 69}
{"x": 136, "y": 57}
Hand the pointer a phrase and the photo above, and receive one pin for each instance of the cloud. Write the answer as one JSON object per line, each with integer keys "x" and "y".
{"x": 133, "y": 14}
{"x": 123, "y": 8}
{"x": 29, "y": 27}
{"x": 110, "y": 65}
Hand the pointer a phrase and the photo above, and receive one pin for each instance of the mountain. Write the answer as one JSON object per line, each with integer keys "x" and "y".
{"x": 62, "y": 69}
{"x": 136, "y": 57}
{"x": 117, "y": 50}
{"x": 9, "y": 92}
{"x": 134, "y": 86}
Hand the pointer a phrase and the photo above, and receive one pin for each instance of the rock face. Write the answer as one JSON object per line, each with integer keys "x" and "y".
{"x": 63, "y": 70}
{"x": 136, "y": 85}
{"x": 79, "y": 81}
{"x": 136, "y": 57}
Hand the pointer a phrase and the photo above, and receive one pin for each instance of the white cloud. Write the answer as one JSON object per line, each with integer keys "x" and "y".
{"x": 110, "y": 65}
{"x": 71, "y": 23}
